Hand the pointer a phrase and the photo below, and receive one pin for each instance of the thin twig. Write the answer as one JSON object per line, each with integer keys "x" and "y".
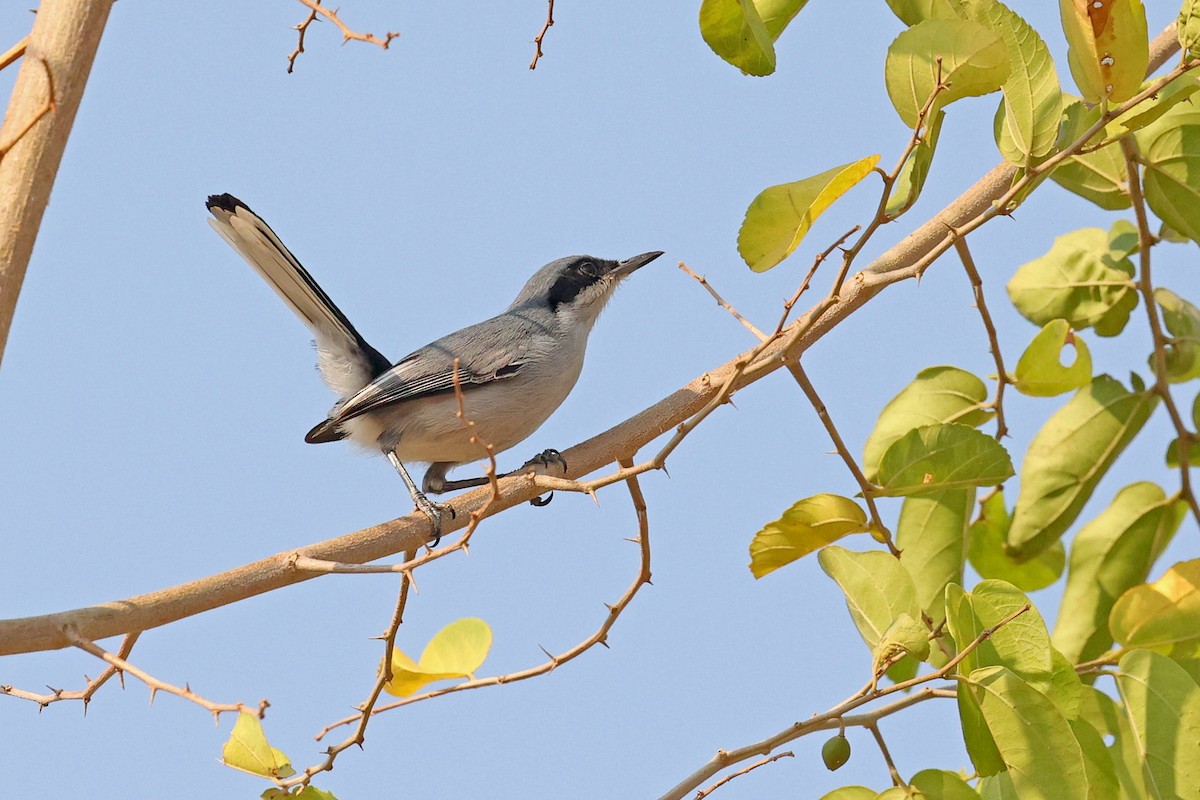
{"x": 13, "y": 53}
{"x": 118, "y": 663}
{"x": 537, "y": 40}
{"x": 964, "y": 253}
{"x": 703, "y": 281}
{"x": 347, "y": 34}
{"x": 1162, "y": 384}
{"x": 50, "y": 105}
{"x": 85, "y": 694}
{"x": 700, "y": 795}
{"x": 302, "y": 29}
{"x": 873, "y": 727}
{"x": 600, "y": 636}
{"x": 868, "y": 489}
{"x": 836, "y": 717}
{"x": 368, "y": 706}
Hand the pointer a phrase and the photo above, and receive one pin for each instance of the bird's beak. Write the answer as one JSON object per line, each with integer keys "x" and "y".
{"x": 630, "y": 265}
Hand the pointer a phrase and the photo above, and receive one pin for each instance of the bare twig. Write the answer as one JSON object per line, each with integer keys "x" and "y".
{"x": 703, "y": 281}
{"x": 836, "y": 717}
{"x": 121, "y": 665}
{"x": 600, "y": 636}
{"x": 700, "y": 795}
{"x": 1162, "y": 384}
{"x": 368, "y": 706}
{"x": 302, "y": 29}
{"x": 873, "y": 727}
{"x": 85, "y": 694}
{"x": 330, "y": 14}
{"x": 13, "y": 53}
{"x": 537, "y": 40}
{"x": 964, "y": 253}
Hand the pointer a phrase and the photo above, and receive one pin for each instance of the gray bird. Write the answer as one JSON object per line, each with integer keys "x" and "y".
{"x": 514, "y": 369}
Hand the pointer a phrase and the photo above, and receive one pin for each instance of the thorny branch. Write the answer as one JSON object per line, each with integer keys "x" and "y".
{"x": 600, "y": 636}
{"x": 368, "y": 706}
{"x": 537, "y": 40}
{"x": 1162, "y": 385}
{"x": 700, "y": 795}
{"x": 119, "y": 663}
{"x": 85, "y": 694}
{"x": 836, "y": 717}
{"x": 315, "y": 8}
{"x": 968, "y": 262}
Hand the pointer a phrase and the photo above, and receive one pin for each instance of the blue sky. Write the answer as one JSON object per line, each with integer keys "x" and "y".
{"x": 157, "y": 393}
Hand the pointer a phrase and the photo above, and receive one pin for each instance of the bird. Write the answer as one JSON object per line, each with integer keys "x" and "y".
{"x": 513, "y": 370}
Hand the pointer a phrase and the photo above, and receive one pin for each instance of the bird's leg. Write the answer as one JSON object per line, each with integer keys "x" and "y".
{"x": 543, "y": 459}
{"x": 431, "y": 509}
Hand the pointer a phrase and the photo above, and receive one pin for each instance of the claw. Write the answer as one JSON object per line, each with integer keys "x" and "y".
{"x": 545, "y": 459}
{"x": 541, "y": 503}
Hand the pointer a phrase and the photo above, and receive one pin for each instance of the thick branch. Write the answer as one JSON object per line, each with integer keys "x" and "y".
{"x": 63, "y": 43}
{"x": 905, "y": 260}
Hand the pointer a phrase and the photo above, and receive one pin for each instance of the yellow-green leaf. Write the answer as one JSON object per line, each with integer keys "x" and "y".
{"x": 1109, "y": 555}
{"x": 247, "y": 749}
{"x": 1068, "y": 457}
{"x": 806, "y": 527}
{"x": 877, "y": 589}
{"x": 936, "y": 395}
{"x": 985, "y": 549}
{"x": 974, "y": 61}
{"x": 1163, "y": 616}
{"x": 911, "y": 179}
{"x": 1107, "y": 47}
{"x": 455, "y": 651}
{"x": 1163, "y": 705}
{"x": 779, "y": 218}
{"x": 1188, "y": 27}
{"x": 1182, "y": 320}
{"x": 743, "y": 32}
{"x": 911, "y": 12}
{"x": 931, "y": 536}
{"x": 1040, "y": 372}
{"x": 939, "y": 457}
{"x": 905, "y": 636}
{"x": 1097, "y": 175}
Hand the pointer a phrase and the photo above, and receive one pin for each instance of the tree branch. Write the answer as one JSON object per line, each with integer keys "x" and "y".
{"x": 63, "y": 43}
{"x": 682, "y": 409}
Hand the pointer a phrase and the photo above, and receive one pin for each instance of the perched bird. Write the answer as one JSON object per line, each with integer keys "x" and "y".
{"x": 514, "y": 369}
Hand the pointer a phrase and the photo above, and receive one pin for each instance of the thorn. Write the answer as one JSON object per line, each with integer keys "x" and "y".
{"x": 664, "y": 469}
{"x": 605, "y": 643}
{"x": 609, "y": 607}
{"x": 547, "y": 652}
{"x": 634, "y": 541}
{"x": 153, "y": 692}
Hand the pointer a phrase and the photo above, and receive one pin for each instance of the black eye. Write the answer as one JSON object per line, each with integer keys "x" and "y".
{"x": 573, "y": 280}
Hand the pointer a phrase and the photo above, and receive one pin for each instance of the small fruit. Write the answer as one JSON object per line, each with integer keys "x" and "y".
{"x": 835, "y": 752}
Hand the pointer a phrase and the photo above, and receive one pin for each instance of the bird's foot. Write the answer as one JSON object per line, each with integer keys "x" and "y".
{"x": 543, "y": 460}
{"x": 437, "y": 513}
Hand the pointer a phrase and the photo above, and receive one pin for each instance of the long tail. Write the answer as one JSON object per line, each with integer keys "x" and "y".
{"x": 346, "y": 361}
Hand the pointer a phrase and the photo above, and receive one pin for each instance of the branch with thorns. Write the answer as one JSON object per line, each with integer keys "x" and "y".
{"x": 1002, "y": 379}
{"x": 836, "y": 717}
{"x": 598, "y": 637}
{"x": 315, "y": 9}
{"x": 92, "y": 684}
{"x": 537, "y": 40}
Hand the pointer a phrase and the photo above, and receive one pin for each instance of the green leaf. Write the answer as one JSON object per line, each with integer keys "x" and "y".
{"x": 1173, "y": 459}
{"x": 1182, "y": 320}
{"x": 850, "y": 793}
{"x": 936, "y": 395}
{"x": 938, "y": 784}
{"x": 1027, "y": 119}
{"x": 779, "y": 218}
{"x": 1068, "y": 457}
{"x": 455, "y": 651}
{"x": 1098, "y": 763}
{"x": 931, "y": 536}
{"x": 743, "y": 32}
{"x": 1163, "y": 704}
{"x": 974, "y": 61}
{"x": 806, "y": 527}
{"x": 1109, "y": 555}
{"x": 1123, "y": 239}
{"x": 1039, "y": 371}
{"x": 1188, "y": 27}
{"x": 311, "y": 792}
{"x": 1035, "y": 742}
{"x": 1107, "y": 47}
{"x": 1081, "y": 280}
{"x": 1108, "y": 718}
{"x": 940, "y": 457}
{"x": 1022, "y": 645}
{"x": 1154, "y": 107}
{"x": 1170, "y": 150}
{"x": 985, "y": 549}
{"x": 911, "y": 179}
{"x": 1099, "y": 176}
{"x": 905, "y": 636}
{"x": 247, "y": 749}
{"x": 877, "y": 589}
{"x": 1163, "y": 616}
{"x": 911, "y": 12}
